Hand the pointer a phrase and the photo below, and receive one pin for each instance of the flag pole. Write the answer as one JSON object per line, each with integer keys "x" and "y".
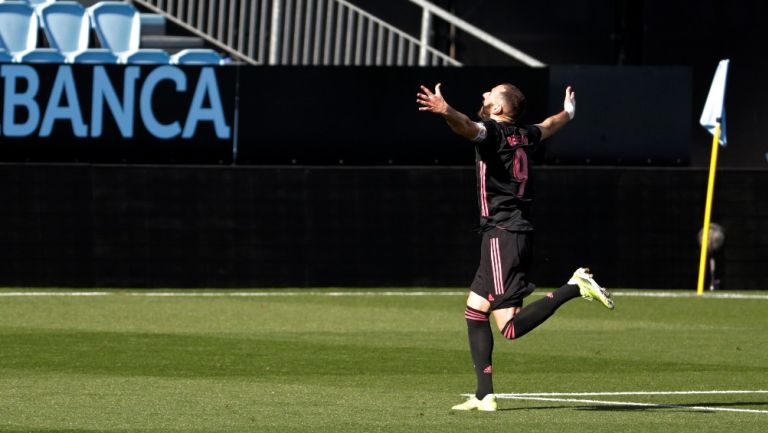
{"x": 708, "y": 210}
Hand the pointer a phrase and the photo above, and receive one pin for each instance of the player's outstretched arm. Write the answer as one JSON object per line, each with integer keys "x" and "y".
{"x": 554, "y": 123}
{"x": 457, "y": 121}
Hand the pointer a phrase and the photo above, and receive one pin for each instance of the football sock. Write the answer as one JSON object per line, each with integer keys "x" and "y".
{"x": 481, "y": 347}
{"x": 535, "y": 313}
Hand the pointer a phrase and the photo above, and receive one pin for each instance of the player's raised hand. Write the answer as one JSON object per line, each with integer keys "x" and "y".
{"x": 432, "y": 102}
{"x": 569, "y": 104}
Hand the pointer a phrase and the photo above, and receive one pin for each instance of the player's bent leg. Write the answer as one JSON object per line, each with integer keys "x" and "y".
{"x": 589, "y": 288}
{"x": 535, "y": 313}
{"x": 502, "y": 316}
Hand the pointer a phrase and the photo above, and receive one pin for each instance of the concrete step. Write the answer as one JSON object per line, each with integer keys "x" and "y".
{"x": 171, "y": 43}
{"x": 152, "y": 24}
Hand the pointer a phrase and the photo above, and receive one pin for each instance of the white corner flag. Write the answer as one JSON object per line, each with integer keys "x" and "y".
{"x": 714, "y": 108}
{"x": 712, "y": 118}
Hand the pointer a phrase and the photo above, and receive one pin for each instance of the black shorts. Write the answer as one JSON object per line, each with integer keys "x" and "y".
{"x": 502, "y": 277}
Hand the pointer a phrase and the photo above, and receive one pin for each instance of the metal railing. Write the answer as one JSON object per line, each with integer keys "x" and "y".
{"x": 429, "y": 10}
{"x": 298, "y": 32}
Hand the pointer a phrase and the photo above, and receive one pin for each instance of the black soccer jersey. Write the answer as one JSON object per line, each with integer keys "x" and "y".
{"x": 503, "y": 159}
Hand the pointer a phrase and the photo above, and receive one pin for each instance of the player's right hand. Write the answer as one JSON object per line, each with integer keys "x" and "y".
{"x": 432, "y": 102}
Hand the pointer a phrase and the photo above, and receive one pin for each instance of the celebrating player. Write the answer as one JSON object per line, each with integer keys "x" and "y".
{"x": 503, "y": 148}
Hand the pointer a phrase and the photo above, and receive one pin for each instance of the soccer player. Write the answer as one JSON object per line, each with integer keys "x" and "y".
{"x": 503, "y": 148}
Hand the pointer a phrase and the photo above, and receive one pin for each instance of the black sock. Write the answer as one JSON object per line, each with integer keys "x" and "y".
{"x": 481, "y": 347}
{"x": 535, "y": 313}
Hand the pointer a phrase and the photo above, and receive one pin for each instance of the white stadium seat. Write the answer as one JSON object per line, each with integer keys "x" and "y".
{"x": 67, "y": 26}
{"x": 118, "y": 27}
{"x": 39, "y": 3}
{"x": 196, "y": 56}
{"x": 18, "y": 28}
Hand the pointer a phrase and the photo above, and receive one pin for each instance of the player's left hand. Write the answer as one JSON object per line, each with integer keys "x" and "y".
{"x": 569, "y": 104}
{"x": 432, "y": 102}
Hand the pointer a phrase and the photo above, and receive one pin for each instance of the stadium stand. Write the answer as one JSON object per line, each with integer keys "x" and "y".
{"x": 104, "y": 32}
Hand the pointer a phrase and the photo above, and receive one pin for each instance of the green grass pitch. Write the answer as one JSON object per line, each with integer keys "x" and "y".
{"x": 304, "y": 361}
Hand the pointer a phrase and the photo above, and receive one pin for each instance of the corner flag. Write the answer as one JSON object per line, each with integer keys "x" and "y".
{"x": 714, "y": 108}
{"x": 712, "y": 118}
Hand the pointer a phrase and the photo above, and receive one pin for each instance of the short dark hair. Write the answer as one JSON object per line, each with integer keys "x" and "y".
{"x": 515, "y": 98}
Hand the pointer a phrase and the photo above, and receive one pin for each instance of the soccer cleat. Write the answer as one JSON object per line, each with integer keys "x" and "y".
{"x": 589, "y": 288}
{"x": 487, "y": 404}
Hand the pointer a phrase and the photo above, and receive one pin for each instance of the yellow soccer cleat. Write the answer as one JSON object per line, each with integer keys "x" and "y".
{"x": 487, "y": 404}
{"x": 590, "y": 289}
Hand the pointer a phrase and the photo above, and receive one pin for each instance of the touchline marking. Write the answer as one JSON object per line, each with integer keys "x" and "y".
{"x": 629, "y": 403}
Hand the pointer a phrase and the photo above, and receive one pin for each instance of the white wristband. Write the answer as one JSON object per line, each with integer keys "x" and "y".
{"x": 570, "y": 108}
{"x": 481, "y": 133}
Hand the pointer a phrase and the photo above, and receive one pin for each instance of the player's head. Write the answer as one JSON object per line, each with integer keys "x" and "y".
{"x": 504, "y": 101}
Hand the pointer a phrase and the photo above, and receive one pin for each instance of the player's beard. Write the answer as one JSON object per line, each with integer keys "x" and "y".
{"x": 485, "y": 112}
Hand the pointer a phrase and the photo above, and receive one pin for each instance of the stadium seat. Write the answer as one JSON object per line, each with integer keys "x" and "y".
{"x": 149, "y": 57}
{"x": 18, "y": 28}
{"x": 39, "y": 3}
{"x": 67, "y": 26}
{"x": 96, "y": 55}
{"x": 118, "y": 27}
{"x": 43, "y": 55}
{"x": 198, "y": 56}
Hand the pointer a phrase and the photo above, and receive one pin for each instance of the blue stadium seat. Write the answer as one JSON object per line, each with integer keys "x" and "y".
{"x": 196, "y": 56}
{"x": 149, "y": 57}
{"x": 43, "y": 55}
{"x": 96, "y": 55}
{"x": 18, "y": 28}
{"x": 118, "y": 27}
{"x": 39, "y": 3}
{"x": 67, "y": 26}
{"x": 5, "y": 57}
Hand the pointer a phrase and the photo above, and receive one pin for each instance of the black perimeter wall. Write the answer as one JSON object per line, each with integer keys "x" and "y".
{"x": 206, "y": 226}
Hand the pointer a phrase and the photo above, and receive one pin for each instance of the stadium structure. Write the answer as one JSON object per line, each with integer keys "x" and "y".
{"x": 247, "y": 143}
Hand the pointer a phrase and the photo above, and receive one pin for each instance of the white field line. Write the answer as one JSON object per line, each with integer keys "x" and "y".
{"x": 43, "y": 294}
{"x": 629, "y": 403}
{"x": 716, "y": 295}
{"x": 624, "y": 393}
{"x": 306, "y": 293}
{"x": 286, "y": 293}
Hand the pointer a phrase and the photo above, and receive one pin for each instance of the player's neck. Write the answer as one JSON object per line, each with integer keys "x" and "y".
{"x": 502, "y": 118}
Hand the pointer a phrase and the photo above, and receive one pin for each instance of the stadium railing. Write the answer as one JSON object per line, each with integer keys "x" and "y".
{"x": 298, "y": 32}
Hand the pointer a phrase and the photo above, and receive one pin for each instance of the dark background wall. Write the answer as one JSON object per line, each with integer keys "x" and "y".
{"x": 204, "y": 226}
{"x": 617, "y": 33}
